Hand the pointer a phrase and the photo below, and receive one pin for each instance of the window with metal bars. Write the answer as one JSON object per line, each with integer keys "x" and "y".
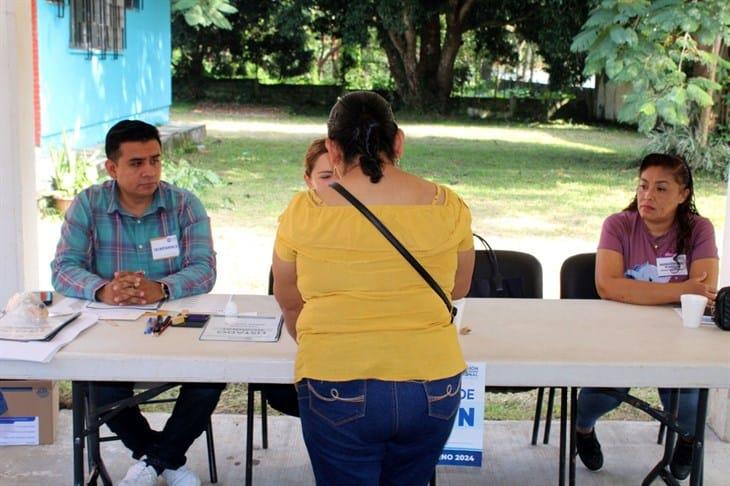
{"x": 98, "y": 26}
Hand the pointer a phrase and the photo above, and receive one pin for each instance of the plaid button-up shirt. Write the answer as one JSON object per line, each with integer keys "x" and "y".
{"x": 99, "y": 237}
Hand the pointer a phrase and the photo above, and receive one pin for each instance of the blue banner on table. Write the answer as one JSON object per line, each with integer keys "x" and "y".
{"x": 465, "y": 446}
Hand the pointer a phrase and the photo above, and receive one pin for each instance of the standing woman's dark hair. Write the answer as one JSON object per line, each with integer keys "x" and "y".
{"x": 363, "y": 125}
{"x": 683, "y": 176}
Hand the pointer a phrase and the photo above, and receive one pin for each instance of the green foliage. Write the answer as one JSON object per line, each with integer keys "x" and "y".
{"x": 364, "y": 44}
{"x": 263, "y": 35}
{"x": 178, "y": 171}
{"x": 72, "y": 171}
{"x": 655, "y": 46}
{"x": 551, "y": 26}
{"x": 205, "y": 13}
{"x": 678, "y": 140}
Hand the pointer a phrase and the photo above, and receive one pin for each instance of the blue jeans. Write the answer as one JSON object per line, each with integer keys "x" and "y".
{"x": 592, "y": 404}
{"x": 372, "y": 432}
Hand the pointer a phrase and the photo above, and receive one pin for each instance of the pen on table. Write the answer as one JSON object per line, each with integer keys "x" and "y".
{"x": 165, "y": 325}
{"x": 151, "y": 321}
{"x": 156, "y": 323}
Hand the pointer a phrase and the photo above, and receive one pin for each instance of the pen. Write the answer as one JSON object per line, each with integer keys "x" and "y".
{"x": 151, "y": 321}
{"x": 158, "y": 324}
{"x": 165, "y": 325}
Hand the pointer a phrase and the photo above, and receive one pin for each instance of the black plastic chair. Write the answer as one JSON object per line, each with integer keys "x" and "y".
{"x": 511, "y": 274}
{"x": 578, "y": 277}
{"x": 578, "y": 281}
{"x": 148, "y": 397}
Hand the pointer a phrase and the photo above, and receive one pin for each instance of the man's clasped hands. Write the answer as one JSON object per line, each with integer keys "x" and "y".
{"x": 130, "y": 288}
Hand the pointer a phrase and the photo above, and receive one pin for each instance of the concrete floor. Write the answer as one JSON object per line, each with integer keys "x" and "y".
{"x": 629, "y": 447}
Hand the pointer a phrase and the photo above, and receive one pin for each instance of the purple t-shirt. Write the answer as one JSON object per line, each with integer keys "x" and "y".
{"x": 626, "y": 233}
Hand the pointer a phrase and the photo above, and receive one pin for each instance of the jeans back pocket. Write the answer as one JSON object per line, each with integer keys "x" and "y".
{"x": 337, "y": 402}
{"x": 443, "y": 396}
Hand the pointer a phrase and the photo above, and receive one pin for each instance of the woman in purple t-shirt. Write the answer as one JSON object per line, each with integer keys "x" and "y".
{"x": 655, "y": 250}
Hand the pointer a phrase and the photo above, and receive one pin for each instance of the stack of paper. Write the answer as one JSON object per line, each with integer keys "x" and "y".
{"x": 13, "y": 328}
{"x": 199, "y": 304}
{"x": 43, "y": 351}
{"x": 101, "y": 310}
{"x": 120, "y": 312}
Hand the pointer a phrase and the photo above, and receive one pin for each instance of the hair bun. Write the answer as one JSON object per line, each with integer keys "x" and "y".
{"x": 371, "y": 166}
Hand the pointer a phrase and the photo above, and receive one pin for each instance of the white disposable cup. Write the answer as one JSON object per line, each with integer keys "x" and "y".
{"x": 459, "y": 304}
{"x": 693, "y": 306}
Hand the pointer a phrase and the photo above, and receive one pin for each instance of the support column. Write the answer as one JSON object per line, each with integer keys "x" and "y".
{"x": 18, "y": 226}
{"x": 719, "y": 413}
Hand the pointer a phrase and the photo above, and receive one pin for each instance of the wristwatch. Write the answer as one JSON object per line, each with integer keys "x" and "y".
{"x": 165, "y": 291}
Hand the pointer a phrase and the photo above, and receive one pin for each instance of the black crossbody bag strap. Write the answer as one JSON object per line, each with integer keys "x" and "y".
{"x": 396, "y": 244}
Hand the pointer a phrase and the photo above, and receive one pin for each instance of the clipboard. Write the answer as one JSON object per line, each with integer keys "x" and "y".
{"x": 32, "y": 333}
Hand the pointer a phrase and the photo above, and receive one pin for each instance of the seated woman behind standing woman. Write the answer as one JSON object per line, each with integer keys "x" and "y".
{"x": 318, "y": 174}
{"x": 651, "y": 253}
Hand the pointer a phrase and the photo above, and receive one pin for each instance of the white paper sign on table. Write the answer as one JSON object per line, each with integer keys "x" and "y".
{"x": 243, "y": 328}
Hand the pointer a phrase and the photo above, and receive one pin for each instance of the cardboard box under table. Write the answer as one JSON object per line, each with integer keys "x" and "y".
{"x": 32, "y": 412}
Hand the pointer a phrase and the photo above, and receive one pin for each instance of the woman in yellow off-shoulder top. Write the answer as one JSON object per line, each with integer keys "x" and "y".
{"x": 378, "y": 365}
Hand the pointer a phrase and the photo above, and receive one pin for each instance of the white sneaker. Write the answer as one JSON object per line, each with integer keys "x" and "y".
{"x": 140, "y": 474}
{"x": 181, "y": 476}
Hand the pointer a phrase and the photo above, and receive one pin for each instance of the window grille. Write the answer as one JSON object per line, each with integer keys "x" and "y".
{"x": 61, "y": 7}
{"x": 98, "y": 26}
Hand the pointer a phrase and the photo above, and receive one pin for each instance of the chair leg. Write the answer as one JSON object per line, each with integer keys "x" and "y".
{"x": 538, "y": 411}
{"x": 549, "y": 415}
{"x": 212, "y": 468}
{"x": 249, "y": 437}
{"x": 264, "y": 422}
{"x": 660, "y": 436}
{"x": 563, "y": 433}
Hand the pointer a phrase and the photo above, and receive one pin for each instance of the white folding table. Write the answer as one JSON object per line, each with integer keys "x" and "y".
{"x": 524, "y": 342}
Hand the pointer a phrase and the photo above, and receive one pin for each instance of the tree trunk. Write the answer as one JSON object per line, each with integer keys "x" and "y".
{"x": 394, "y": 62}
{"x": 723, "y": 106}
{"x": 707, "y": 118}
{"x": 455, "y": 20}
{"x": 422, "y": 67}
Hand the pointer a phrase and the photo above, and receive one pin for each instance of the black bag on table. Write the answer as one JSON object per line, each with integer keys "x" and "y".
{"x": 722, "y": 309}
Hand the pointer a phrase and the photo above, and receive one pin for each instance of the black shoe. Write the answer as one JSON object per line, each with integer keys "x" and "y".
{"x": 681, "y": 463}
{"x": 589, "y": 450}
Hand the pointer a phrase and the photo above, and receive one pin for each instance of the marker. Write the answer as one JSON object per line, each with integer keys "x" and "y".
{"x": 151, "y": 321}
{"x": 165, "y": 325}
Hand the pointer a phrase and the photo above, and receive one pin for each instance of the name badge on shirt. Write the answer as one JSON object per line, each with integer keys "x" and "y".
{"x": 164, "y": 247}
{"x": 668, "y": 267}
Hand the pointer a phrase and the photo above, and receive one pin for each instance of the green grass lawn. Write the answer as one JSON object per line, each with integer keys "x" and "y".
{"x": 519, "y": 180}
{"x": 546, "y": 182}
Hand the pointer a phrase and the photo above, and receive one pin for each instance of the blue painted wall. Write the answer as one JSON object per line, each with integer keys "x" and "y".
{"x": 84, "y": 97}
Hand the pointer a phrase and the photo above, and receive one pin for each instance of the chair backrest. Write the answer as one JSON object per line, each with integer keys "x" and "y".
{"x": 505, "y": 273}
{"x": 578, "y": 277}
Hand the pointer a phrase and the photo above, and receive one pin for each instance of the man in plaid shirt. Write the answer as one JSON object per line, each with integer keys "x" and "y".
{"x": 136, "y": 240}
